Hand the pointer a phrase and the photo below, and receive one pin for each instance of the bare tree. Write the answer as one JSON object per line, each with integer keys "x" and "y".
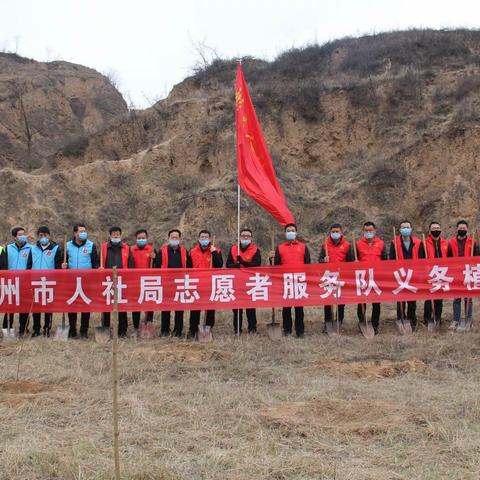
{"x": 19, "y": 91}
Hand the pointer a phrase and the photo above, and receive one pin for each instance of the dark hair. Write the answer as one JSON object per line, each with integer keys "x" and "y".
{"x": 204, "y": 231}
{"x": 43, "y": 230}
{"x": 462, "y": 222}
{"x": 433, "y": 223}
{"x": 369, "y": 224}
{"x": 175, "y": 230}
{"x": 141, "y": 230}
{"x": 336, "y": 225}
{"x": 114, "y": 229}
{"x": 16, "y": 230}
{"x": 246, "y": 230}
{"x": 77, "y": 226}
{"x": 406, "y": 221}
{"x": 290, "y": 225}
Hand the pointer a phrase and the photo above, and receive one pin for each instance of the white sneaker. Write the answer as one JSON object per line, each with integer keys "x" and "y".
{"x": 134, "y": 333}
{"x": 453, "y": 325}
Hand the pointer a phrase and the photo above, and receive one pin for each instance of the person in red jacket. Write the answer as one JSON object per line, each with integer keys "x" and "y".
{"x": 334, "y": 249}
{"x": 407, "y": 247}
{"x": 437, "y": 247}
{"x": 248, "y": 257}
{"x": 116, "y": 253}
{"x": 143, "y": 255}
{"x": 204, "y": 255}
{"x": 461, "y": 246}
{"x": 172, "y": 255}
{"x": 370, "y": 248}
{"x": 291, "y": 252}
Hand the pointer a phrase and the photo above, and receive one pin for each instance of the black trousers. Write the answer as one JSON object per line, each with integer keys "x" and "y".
{"x": 136, "y": 318}
{"x": 410, "y": 312}
{"x": 251, "y": 319}
{"x": 8, "y": 321}
{"x": 122, "y": 322}
{"x": 287, "y": 320}
{"x": 84, "y": 323}
{"x": 375, "y": 319}
{"x": 195, "y": 320}
{"x": 47, "y": 322}
{"x": 178, "y": 323}
{"x": 328, "y": 312}
{"x": 437, "y": 308}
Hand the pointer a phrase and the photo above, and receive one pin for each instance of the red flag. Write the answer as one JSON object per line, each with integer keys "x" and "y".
{"x": 256, "y": 174}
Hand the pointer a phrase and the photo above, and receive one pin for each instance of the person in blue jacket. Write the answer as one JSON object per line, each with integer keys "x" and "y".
{"x": 82, "y": 254}
{"x": 44, "y": 255}
{"x": 15, "y": 257}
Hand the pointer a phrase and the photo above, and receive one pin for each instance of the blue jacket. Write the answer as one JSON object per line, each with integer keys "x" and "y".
{"x": 82, "y": 256}
{"x": 48, "y": 258}
{"x": 17, "y": 258}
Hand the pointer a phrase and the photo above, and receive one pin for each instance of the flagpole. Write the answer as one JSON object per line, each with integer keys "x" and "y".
{"x": 238, "y": 247}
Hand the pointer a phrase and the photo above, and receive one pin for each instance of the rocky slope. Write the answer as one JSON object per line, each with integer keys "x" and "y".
{"x": 379, "y": 128}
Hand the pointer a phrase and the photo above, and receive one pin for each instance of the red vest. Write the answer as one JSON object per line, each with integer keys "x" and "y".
{"x": 183, "y": 254}
{"x": 142, "y": 256}
{"x": 431, "y": 247}
{"x": 201, "y": 258}
{"x": 125, "y": 253}
{"x": 415, "y": 248}
{"x": 369, "y": 252}
{"x": 292, "y": 254}
{"x": 246, "y": 255}
{"x": 338, "y": 252}
{"x": 468, "y": 246}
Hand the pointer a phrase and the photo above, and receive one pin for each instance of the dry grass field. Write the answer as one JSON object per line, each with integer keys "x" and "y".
{"x": 314, "y": 408}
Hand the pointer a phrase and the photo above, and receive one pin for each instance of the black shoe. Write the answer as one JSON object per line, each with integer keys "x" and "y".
{"x": 300, "y": 335}
{"x": 46, "y": 332}
{"x": 165, "y": 333}
{"x": 84, "y": 335}
{"x": 177, "y": 334}
{"x": 191, "y": 335}
{"x": 36, "y": 333}
{"x": 375, "y": 329}
{"x": 286, "y": 334}
{"x": 72, "y": 334}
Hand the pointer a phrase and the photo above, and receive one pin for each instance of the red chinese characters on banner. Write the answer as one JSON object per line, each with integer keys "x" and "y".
{"x": 264, "y": 287}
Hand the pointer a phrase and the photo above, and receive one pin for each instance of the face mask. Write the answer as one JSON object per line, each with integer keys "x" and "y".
{"x": 44, "y": 241}
{"x": 245, "y": 242}
{"x": 22, "y": 239}
{"x": 369, "y": 235}
{"x": 335, "y": 236}
{"x": 141, "y": 242}
{"x": 174, "y": 243}
{"x": 82, "y": 236}
{"x": 204, "y": 242}
{"x": 462, "y": 233}
{"x": 406, "y": 232}
{"x": 290, "y": 235}
{"x": 115, "y": 241}
{"x": 435, "y": 233}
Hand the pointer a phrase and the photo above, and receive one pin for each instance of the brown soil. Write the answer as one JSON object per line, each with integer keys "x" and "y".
{"x": 185, "y": 353}
{"x": 357, "y": 417}
{"x": 15, "y": 393}
{"x": 372, "y": 368}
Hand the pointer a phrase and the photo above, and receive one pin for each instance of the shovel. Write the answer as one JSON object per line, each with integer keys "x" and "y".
{"x": 61, "y": 333}
{"x": 465, "y": 324}
{"x": 274, "y": 330}
{"x": 332, "y": 329}
{"x": 8, "y": 334}
{"x": 431, "y": 322}
{"x": 403, "y": 325}
{"x": 102, "y": 333}
{"x": 366, "y": 328}
{"x": 204, "y": 333}
{"x": 146, "y": 328}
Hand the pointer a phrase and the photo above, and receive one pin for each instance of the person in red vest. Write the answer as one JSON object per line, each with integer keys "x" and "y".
{"x": 248, "y": 256}
{"x": 143, "y": 255}
{"x": 370, "y": 248}
{"x": 204, "y": 255}
{"x": 338, "y": 248}
{"x": 461, "y": 246}
{"x": 172, "y": 255}
{"x": 116, "y": 253}
{"x": 294, "y": 253}
{"x": 408, "y": 248}
{"x": 437, "y": 247}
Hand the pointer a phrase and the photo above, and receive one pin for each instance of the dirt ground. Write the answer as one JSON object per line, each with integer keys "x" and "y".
{"x": 246, "y": 408}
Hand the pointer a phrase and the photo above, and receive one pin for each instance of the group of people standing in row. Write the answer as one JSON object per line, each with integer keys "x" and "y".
{"x": 82, "y": 253}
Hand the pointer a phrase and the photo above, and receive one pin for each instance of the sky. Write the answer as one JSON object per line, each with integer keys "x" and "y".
{"x": 148, "y": 46}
